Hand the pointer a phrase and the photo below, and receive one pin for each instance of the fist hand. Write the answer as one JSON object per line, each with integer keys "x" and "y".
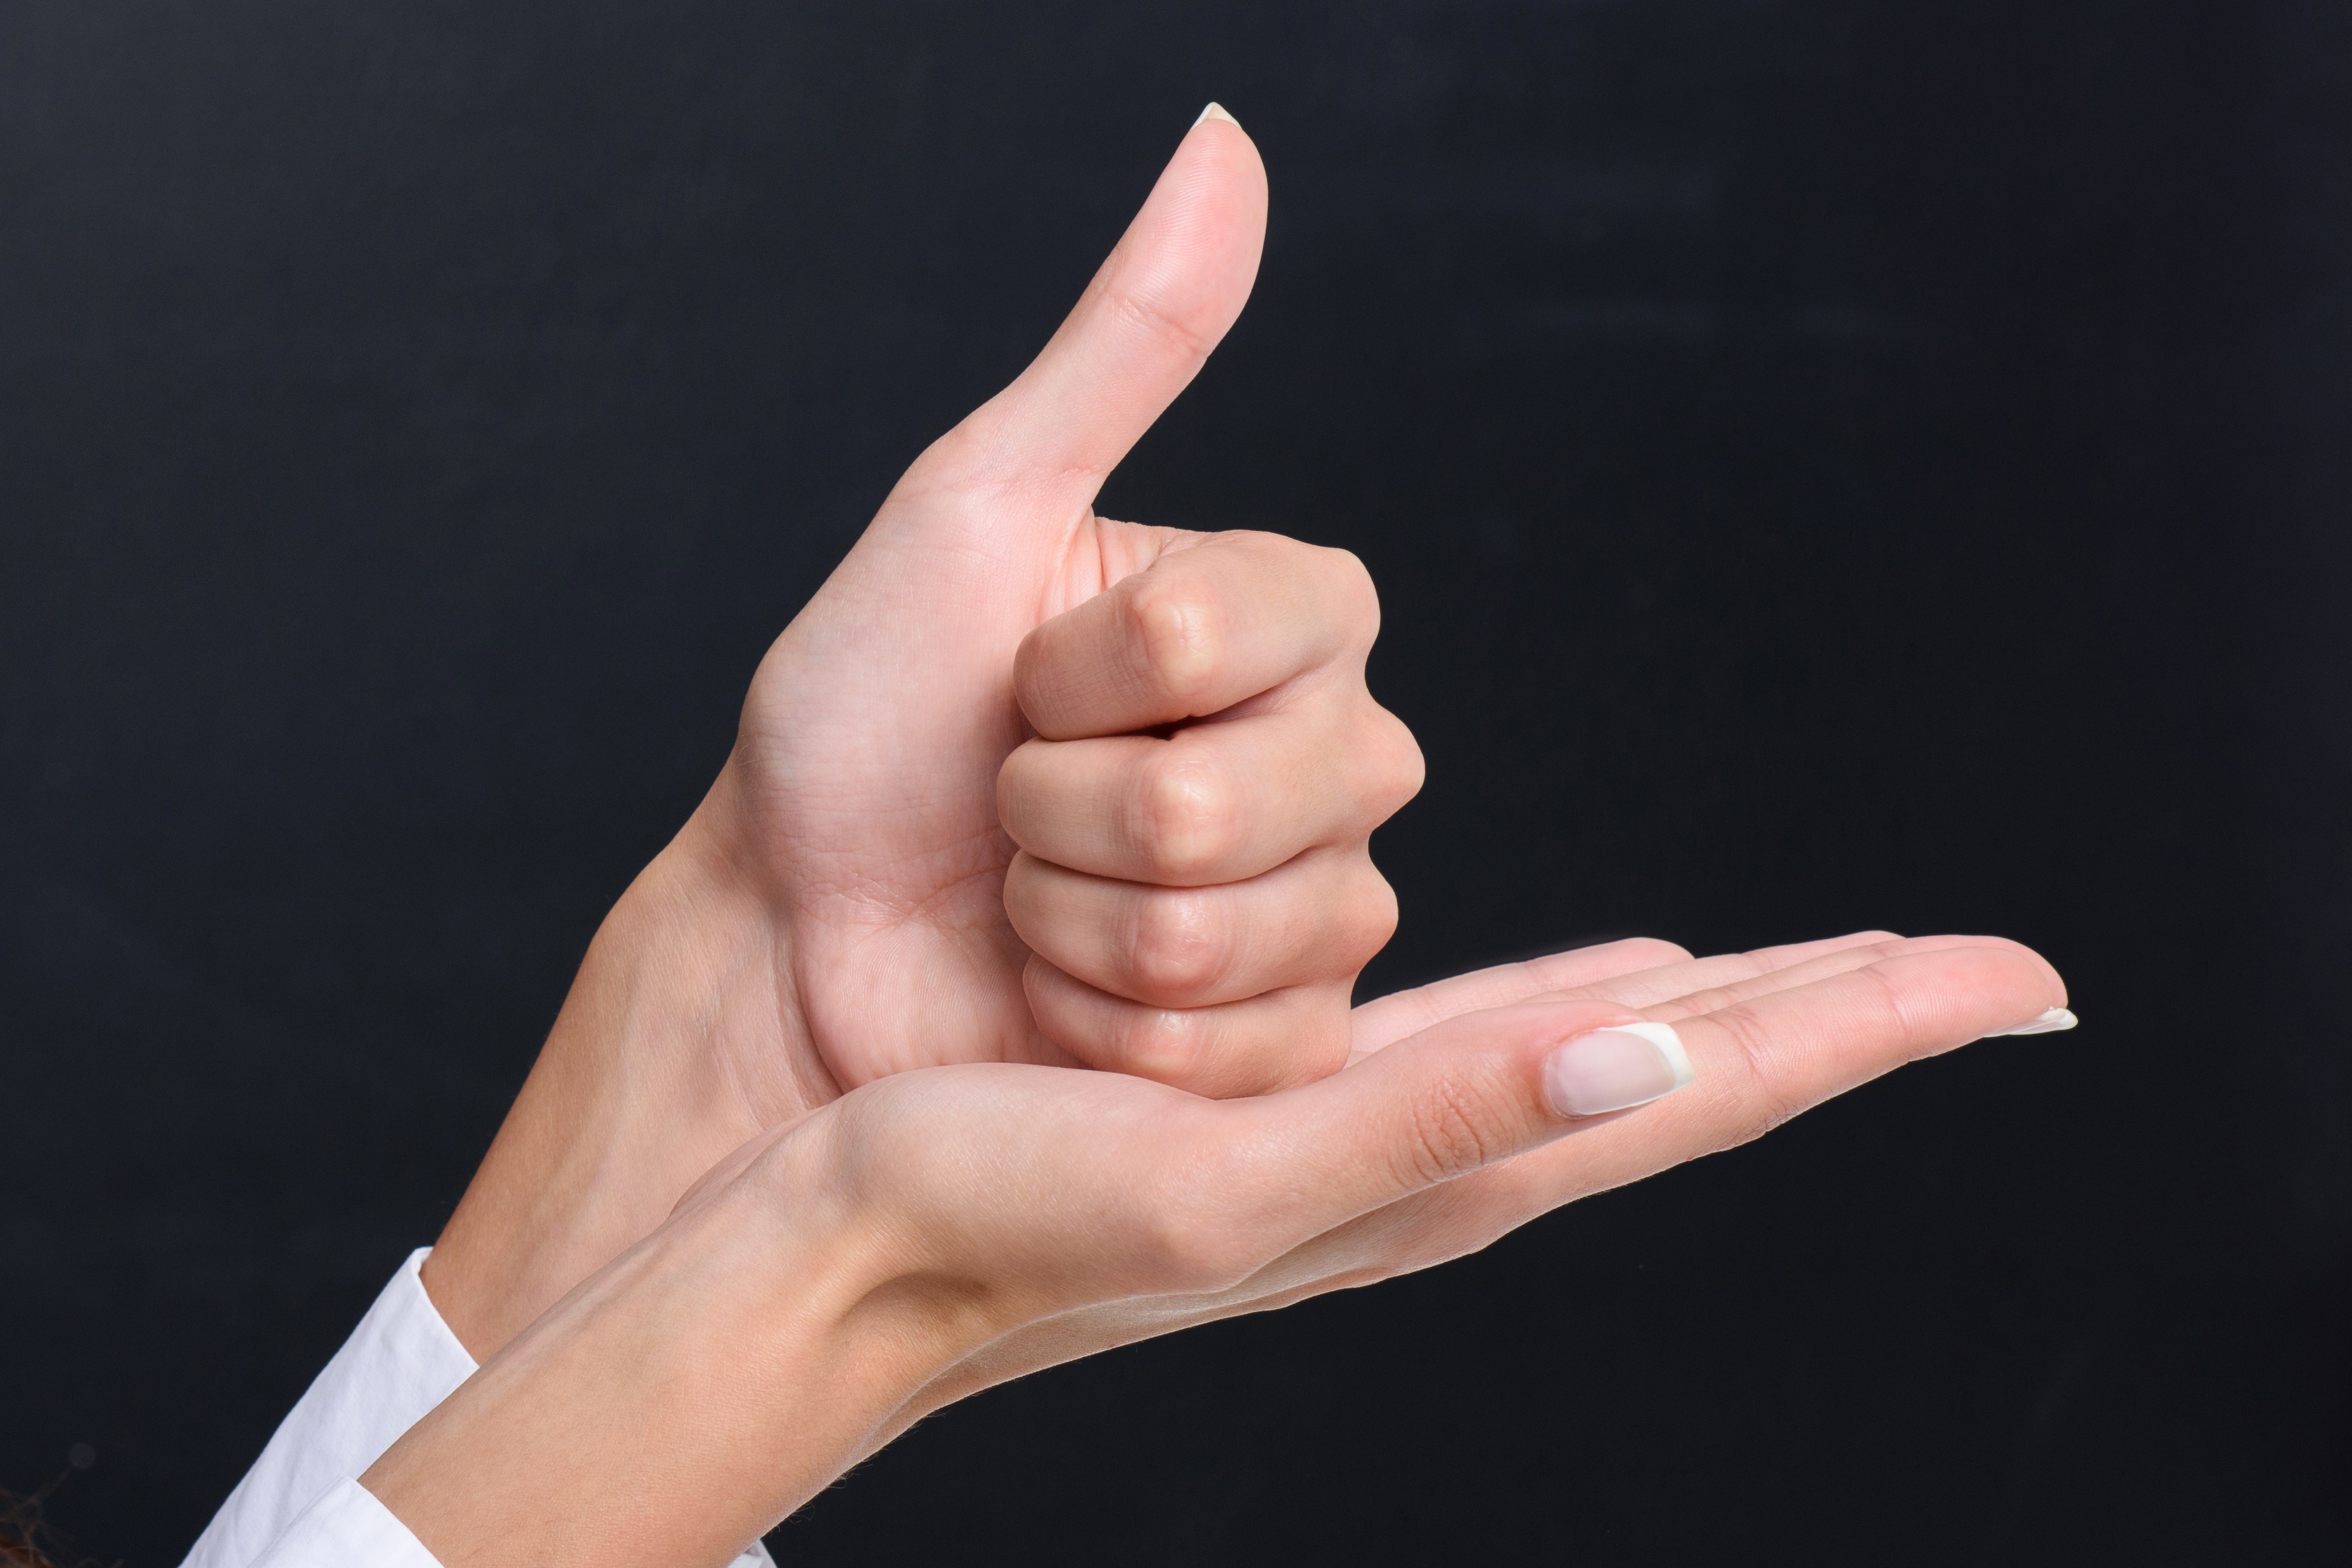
{"x": 1021, "y": 784}
{"x": 1017, "y": 785}
{"x": 1195, "y": 882}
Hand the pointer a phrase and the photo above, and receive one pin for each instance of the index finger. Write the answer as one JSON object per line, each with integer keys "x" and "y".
{"x": 1197, "y": 631}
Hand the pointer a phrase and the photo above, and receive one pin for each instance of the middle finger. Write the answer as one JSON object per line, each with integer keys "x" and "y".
{"x": 1214, "y": 802}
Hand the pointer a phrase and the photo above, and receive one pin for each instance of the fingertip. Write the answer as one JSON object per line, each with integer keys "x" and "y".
{"x": 1197, "y": 240}
{"x": 2010, "y": 946}
{"x": 1970, "y": 989}
{"x": 1028, "y": 655}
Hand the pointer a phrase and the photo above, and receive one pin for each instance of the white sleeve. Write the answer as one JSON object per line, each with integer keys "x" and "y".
{"x": 298, "y": 1506}
{"x": 348, "y": 1529}
{"x": 401, "y": 1361}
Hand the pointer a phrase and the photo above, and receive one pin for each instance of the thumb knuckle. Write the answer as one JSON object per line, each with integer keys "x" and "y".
{"x": 1450, "y": 1131}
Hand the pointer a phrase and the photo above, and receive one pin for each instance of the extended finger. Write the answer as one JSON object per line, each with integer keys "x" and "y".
{"x": 1760, "y": 1061}
{"x": 1310, "y": 1168}
{"x": 1213, "y": 803}
{"x": 1755, "y": 1065}
{"x": 1319, "y": 918}
{"x": 1672, "y": 991}
{"x": 1195, "y": 632}
{"x": 1640, "y": 971}
{"x": 1727, "y": 991}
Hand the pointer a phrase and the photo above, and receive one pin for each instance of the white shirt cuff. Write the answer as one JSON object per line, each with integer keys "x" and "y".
{"x": 348, "y": 1527}
{"x": 298, "y": 1507}
{"x": 400, "y": 1363}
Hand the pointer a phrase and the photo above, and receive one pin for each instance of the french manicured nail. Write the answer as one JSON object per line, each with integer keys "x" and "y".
{"x": 1217, "y": 111}
{"x": 2050, "y": 1022}
{"x": 1614, "y": 1068}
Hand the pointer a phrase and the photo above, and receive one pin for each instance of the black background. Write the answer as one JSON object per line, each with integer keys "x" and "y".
{"x": 1827, "y": 466}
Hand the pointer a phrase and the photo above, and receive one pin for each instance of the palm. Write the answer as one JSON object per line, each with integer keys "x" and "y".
{"x": 1304, "y": 1192}
{"x": 868, "y": 758}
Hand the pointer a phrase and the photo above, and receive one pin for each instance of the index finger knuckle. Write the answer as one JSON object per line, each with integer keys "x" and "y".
{"x": 1176, "y": 628}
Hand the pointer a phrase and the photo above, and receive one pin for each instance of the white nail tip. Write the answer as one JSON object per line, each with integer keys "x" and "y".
{"x": 2050, "y": 1022}
{"x": 1669, "y": 1044}
{"x": 1217, "y": 111}
{"x": 1614, "y": 1068}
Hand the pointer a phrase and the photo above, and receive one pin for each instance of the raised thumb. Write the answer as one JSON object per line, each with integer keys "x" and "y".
{"x": 1157, "y": 307}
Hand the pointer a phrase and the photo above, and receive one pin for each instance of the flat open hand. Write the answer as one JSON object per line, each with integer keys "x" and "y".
{"x": 939, "y": 1231}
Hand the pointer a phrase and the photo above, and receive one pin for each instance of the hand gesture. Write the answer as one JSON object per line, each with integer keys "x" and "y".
{"x": 1019, "y": 785}
{"x": 939, "y": 1231}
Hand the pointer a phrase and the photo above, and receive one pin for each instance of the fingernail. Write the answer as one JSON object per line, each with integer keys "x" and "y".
{"x": 2050, "y": 1022}
{"x": 1217, "y": 111}
{"x": 1614, "y": 1069}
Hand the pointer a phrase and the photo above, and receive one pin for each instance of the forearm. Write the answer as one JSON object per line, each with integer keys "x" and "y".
{"x": 691, "y": 1394}
{"x": 632, "y": 1098}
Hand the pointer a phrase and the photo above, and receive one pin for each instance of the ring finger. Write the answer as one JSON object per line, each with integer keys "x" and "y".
{"x": 1317, "y": 917}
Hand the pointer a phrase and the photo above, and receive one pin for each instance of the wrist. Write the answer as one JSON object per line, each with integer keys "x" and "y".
{"x": 637, "y": 1092}
{"x": 694, "y": 1392}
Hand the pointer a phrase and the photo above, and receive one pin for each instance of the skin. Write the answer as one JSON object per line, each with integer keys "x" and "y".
{"x": 936, "y": 1232}
{"x": 1020, "y": 784}
{"x": 992, "y": 1009}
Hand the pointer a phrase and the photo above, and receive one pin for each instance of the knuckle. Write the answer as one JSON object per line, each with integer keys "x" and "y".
{"x": 1446, "y": 1134}
{"x": 1173, "y": 624}
{"x": 1897, "y": 1020}
{"x": 1179, "y": 945}
{"x": 1153, "y": 314}
{"x": 1767, "y": 1101}
{"x": 1407, "y": 768}
{"x": 1353, "y": 589}
{"x": 1372, "y": 916}
{"x": 1389, "y": 766}
{"x": 1165, "y": 1044}
{"x": 1189, "y": 813}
